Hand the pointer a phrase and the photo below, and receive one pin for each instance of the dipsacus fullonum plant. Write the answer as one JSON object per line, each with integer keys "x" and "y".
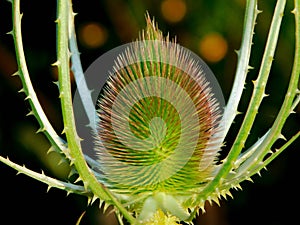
{"x": 160, "y": 126}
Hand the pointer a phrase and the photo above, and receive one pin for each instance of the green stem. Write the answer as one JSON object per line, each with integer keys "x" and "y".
{"x": 242, "y": 66}
{"x": 37, "y": 111}
{"x": 234, "y": 183}
{"x": 84, "y": 171}
{"x": 51, "y": 182}
{"x": 257, "y": 96}
{"x": 66, "y": 100}
{"x": 82, "y": 88}
{"x": 46, "y": 127}
{"x": 274, "y": 155}
{"x": 287, "y": 106}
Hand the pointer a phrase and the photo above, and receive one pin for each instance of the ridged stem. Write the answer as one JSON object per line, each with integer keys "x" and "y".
{"x": 51, "y": 182}
{"x": 287, "y": 106}
{"x": 37, "y": 110}
{"x": 256, "y": 99}
{"x": 242, "y": 67}
{"x": 63, "y": 55}
{"x": 66, "y": 100}
{"x": 82, "y": 88}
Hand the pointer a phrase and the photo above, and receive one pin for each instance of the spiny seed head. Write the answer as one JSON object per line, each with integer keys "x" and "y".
{"x": 158, "y": 120}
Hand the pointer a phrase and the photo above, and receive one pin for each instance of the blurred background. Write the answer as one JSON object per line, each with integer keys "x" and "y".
{"x": 211, "y": 29}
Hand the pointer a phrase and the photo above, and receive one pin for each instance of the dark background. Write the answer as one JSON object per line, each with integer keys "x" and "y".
{"x": 273, "y": 199}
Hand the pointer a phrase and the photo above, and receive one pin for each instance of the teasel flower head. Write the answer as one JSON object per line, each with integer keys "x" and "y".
{"x": 157, "y": 137}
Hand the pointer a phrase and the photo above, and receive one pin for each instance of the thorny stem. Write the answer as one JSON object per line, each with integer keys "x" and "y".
{"x": 57, "y": 142}
{"x": 82, "y": 88}
{"x": 238, "y": 179}
{"x": 287, "y": 106}
{"x": 242, "y": 66}
{"x": 37, "y": 111}
{"x": 257, "y": 96}
{"x": 51, "y": 182}
{"x": 88, "y": 178}
{"x": 66, "y": 98}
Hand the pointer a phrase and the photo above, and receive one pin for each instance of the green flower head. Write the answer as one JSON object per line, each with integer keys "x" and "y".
{"x": 158, "y": 126}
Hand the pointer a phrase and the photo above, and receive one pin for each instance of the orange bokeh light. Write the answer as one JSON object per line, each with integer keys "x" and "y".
{"x": 173, "y": 10}
{"x": 92, "y": 35}
{"x": 213, "y": 47}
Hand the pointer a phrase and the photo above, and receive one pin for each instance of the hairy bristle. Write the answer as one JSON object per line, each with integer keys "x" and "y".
{"x": 158, "y": 119}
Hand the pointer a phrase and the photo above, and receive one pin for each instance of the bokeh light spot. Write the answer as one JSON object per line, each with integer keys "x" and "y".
{"x": 92, "y": 35}
{"x": 213, "y": 47}
{"x": 173, "y": 10}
